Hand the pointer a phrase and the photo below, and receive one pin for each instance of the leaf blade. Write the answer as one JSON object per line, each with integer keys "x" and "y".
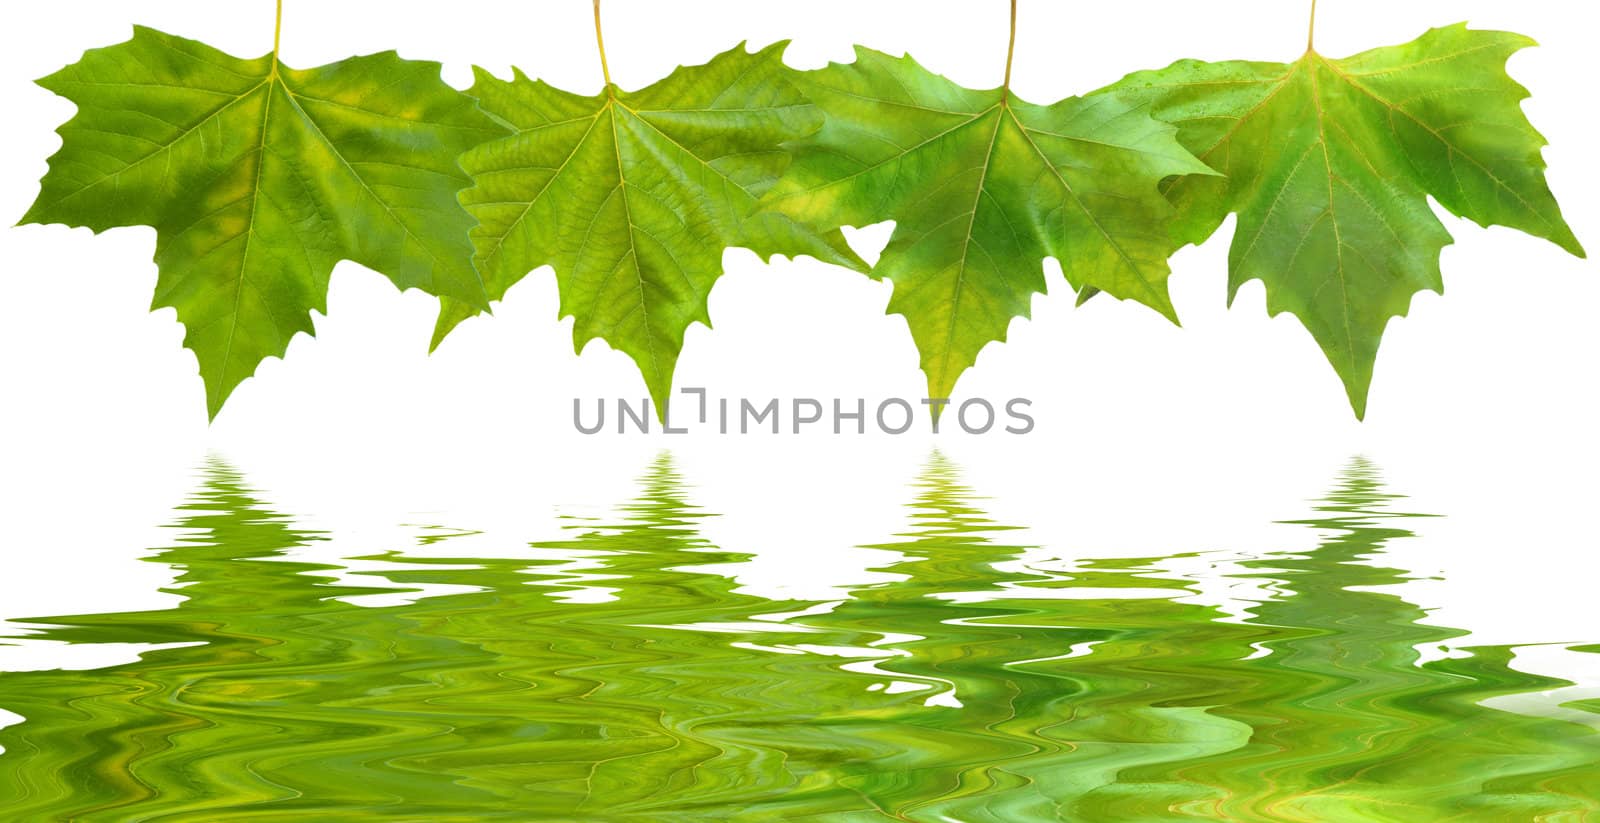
{"x": 632, "y": 198}
{"x": 982, "y": 188}
{"x": 258, "y": 178}
{"x": 1329, "y": 165}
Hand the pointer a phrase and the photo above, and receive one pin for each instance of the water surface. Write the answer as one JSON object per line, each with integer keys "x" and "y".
{"x": 622, "y": 674}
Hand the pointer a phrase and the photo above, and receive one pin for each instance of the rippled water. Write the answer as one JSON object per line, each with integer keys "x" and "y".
{"x": 621, "y": 674}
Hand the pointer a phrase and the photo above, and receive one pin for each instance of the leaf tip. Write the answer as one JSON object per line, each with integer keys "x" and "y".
{"x": 215, "y": 399}
{"x": 29, "y": 218}
{"x": 1164, "y": 307}
{"x": 1358, "y": 405}
{"x": 1357, "y": 386}
{"x": 1234, "y": 285}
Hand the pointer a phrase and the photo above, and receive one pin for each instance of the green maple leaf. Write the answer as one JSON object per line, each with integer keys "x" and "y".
{"x": 1329, "y": 165}
{"x": 258, "y": 178}
{"x": 983, "y": 186}
{"x": 633, "y": 196}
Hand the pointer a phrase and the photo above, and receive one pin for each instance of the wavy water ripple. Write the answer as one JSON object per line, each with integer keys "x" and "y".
{"x": 983, "y": 684}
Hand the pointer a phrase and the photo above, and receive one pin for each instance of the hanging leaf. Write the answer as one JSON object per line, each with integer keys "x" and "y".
{"x": 983, "y": 186}
{"x": 1329, "y": 165}
{"x": 633, "y": 196}
{"x": 258, "y": 178}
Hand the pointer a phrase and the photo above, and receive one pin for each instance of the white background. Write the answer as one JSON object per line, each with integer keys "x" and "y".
{"x": 1150, "y": 439}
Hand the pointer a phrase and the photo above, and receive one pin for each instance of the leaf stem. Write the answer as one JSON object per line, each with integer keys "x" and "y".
{"x": 1011, "y": 53}
{"x": 600, "y": 39}
{"x": 277, "y": 32}
{"x": 1311, "y": 33}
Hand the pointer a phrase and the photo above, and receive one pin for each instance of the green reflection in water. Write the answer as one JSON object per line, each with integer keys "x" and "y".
{"x": 622, "y": 675}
